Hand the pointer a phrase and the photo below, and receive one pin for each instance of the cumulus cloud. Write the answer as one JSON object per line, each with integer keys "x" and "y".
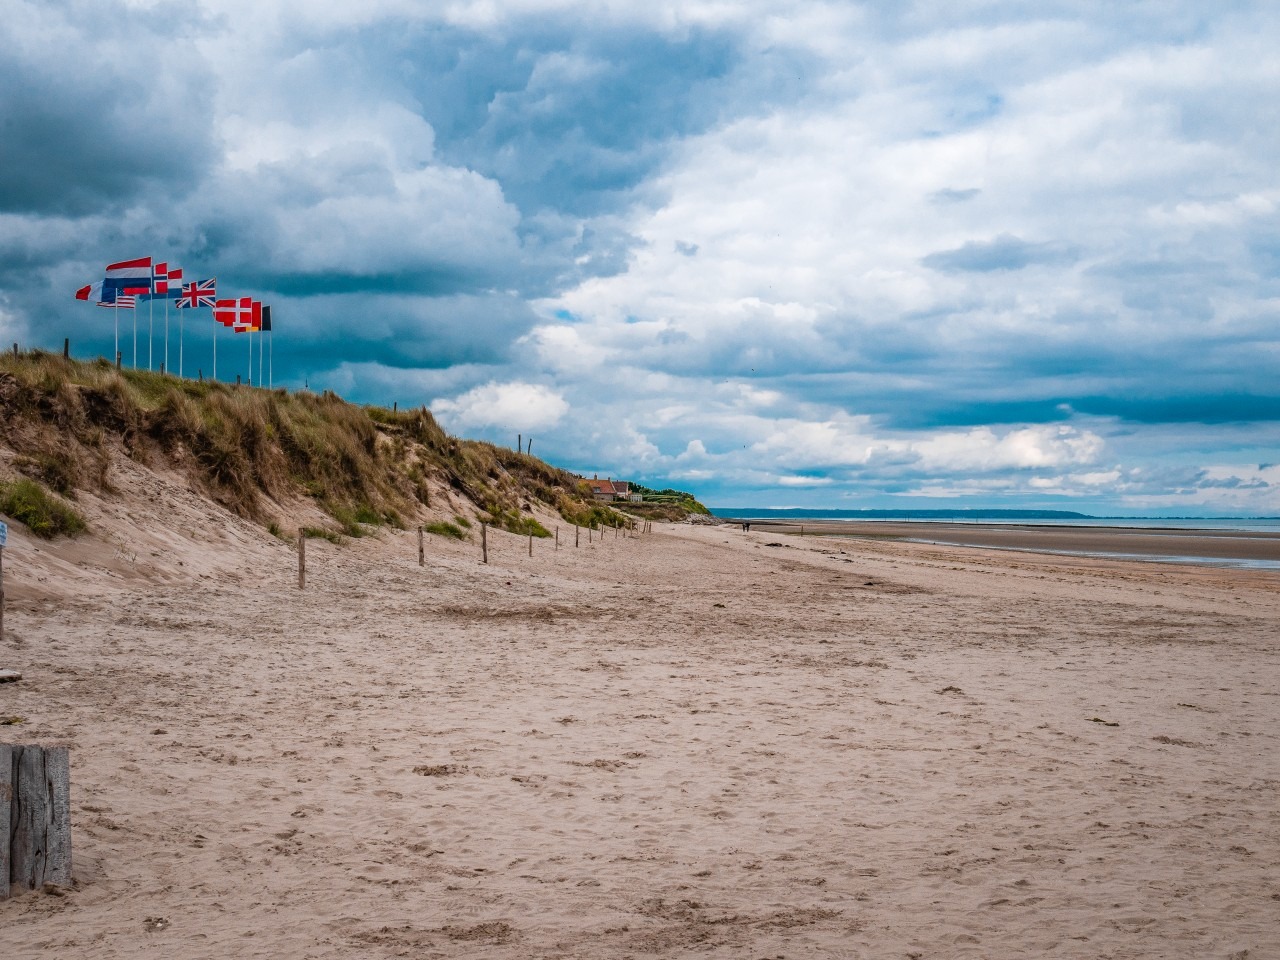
{"x": 517, "y": 406}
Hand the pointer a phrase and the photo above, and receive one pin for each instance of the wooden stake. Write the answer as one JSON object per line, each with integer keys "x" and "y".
{"x": 484, "y": 542}
{"x": 2, "y": 879}
{"x": 117, "y": 359}
{"x": 531, "y": 544}
{"x": 302, "y": 558}
{"x": 35, "y": 817}
{"x": 422, "y": 550}
{"x": 576, "y": 532}
{"x": 66, "y": 348}
{"x": 557, "y": 537}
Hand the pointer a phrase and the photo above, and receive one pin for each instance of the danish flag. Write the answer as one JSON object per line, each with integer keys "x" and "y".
{"x": 198, "y": 293}
{"x": 240, "y": 315}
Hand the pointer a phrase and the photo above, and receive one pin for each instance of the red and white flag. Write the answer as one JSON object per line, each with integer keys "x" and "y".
{"x": 241, "y": 315}
{"x": 123, "y": 301}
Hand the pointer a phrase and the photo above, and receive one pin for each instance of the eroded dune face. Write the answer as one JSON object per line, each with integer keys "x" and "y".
{"x": 695, "y": 741}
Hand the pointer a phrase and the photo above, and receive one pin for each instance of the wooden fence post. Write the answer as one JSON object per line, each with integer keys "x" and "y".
{"x": 484, "y": 542}
{"x": 422, "y": 550}
{"x": 66, "y": 348}
{"x": 531, "y": 544}
{"x": 117, "y": 359}
{"x": 302, "y": 558}
{"x": 35, "y": 817}
{"x": 557, "y": 536}
{"x": 577, "y": 530}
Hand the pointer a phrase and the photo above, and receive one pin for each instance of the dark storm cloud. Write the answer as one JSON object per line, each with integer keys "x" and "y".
{"x": 89, "y": 122}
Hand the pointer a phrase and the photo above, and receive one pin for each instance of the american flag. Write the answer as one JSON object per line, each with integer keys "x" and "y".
{"x": 198, "y": 293}
{"x": 124, "y": 301}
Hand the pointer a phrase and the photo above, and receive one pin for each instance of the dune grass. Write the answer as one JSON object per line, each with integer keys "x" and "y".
{"x": 43, "y": 513}
{"x": 249, "y": 448}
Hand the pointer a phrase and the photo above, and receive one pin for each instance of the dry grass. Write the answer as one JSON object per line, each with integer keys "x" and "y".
{"x": 247, "y": 447}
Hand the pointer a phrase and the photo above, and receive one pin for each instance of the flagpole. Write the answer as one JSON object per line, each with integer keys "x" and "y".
{"x": 135, "y": 338}
{"x": 250, "y": 358}
{"x": 151, "y": 328}
{"x": 166, "y": 334}
{"x": 271, "y": 361}
{"x": 215, "y": 349}
{"x": 182, "y": 322}
{"x": 116, "y": 312}
{"x": 259, "y": 358}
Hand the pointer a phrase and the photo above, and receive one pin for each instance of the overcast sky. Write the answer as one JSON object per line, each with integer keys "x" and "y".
{"x": 974, "y": 253}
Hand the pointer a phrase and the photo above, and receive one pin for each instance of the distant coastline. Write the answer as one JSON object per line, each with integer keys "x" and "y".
{"x": 961, "y": 515}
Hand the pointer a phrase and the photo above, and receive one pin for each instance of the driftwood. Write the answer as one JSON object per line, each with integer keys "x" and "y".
{"x": 35, "y": 817}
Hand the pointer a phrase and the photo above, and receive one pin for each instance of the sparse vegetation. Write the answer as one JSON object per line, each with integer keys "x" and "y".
{"x": 445, "y": 529}
{"x": 43, "y": 513}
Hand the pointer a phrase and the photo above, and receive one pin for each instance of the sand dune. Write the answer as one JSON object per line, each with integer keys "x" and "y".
{"x": 701, "y": 742}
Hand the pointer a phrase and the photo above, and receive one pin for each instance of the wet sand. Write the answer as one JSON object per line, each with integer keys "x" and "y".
{"x": 1125, "y": 541}
{"x": 695, "y": 743}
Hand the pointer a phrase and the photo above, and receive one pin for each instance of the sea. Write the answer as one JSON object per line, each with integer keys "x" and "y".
{"x": 1264, "y": 525}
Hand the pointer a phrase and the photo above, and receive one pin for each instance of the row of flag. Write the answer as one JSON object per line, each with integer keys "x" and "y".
{"x": 125, "y": 284}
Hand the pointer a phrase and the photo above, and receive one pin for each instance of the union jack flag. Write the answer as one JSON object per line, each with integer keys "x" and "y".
{"x": 124, "y": 301}
{"x": 198, "y": 293}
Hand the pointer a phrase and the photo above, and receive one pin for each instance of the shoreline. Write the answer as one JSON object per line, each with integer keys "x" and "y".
{"x": 1142, "y": 543}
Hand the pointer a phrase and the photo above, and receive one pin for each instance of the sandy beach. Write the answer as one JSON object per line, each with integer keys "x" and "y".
{"x": 699, "y": 742}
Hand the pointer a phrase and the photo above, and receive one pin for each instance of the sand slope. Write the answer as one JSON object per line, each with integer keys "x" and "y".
{"x": 689, "y": 744}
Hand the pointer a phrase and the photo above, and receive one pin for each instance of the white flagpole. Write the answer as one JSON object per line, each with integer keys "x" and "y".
{"x": 181, "y": 324}
{"x": 250, "y": 378}
{"x": 135, "y": 337}
{"x": 259, "y": 358}
{"x": 116, "y": 312}
{"x": 166, "y": 334}
{"x": 271, "y": 361}
{"x": 151, "y": 327}
{"x": 215, "y": 348}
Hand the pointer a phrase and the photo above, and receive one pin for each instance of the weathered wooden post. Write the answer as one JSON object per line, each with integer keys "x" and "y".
{"x": 557, "y": 536}
{"x": 15, "y": 351}
{"x": 302, "y": 558}
{"x": 531, "y": 544}
{"x": 422, "y": 550}
{"x": 66, "y": 348}
{"x": 577, "y": 530}
{"x": 484, "y": 542}
{"x": 4, "y": 538}
{"x": 590, "y": 528}
{"x": 35, "y": 817}
{"x": 117, "y": 359}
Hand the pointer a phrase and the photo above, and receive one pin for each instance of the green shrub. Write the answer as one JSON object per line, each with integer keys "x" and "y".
{"x": 321, "y": 533}
{"x": 445, "y": 529}
{"x": 43, "y": 514}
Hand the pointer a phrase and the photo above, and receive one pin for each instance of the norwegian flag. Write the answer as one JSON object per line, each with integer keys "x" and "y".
{"x": 198, "y": 293}
{"x": 166, "y": 282}
{"x": 241, "y": 315}
{"x": 124, "y": 301}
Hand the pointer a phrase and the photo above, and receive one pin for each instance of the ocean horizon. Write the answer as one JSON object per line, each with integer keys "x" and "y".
{"x": 1000, "y": 516}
